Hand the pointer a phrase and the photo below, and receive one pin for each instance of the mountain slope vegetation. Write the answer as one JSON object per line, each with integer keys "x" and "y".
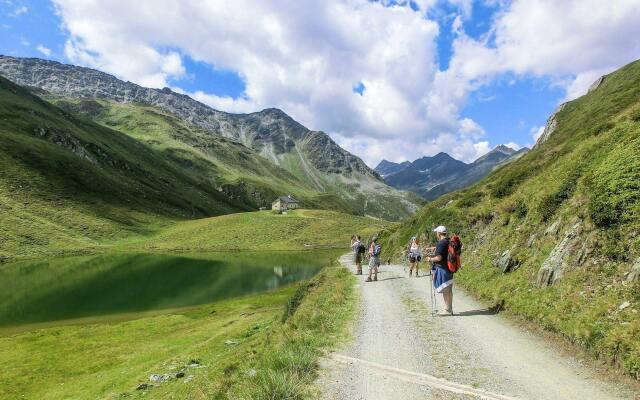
{"x": 555, "y": 235}
{"x": 311, "y": 156}
{"x": 67, "y": 183}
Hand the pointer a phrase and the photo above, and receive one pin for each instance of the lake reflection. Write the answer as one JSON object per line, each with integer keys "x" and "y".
{"x": 78, "y": 287}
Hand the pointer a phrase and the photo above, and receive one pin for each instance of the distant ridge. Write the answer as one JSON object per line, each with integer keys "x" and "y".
{"x": 433, "y": 176}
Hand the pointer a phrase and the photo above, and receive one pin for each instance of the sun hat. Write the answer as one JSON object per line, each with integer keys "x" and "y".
{"x": 440, "y": 229}
{"x": 413, "y": 238}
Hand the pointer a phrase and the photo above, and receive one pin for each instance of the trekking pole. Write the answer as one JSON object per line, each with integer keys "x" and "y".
{"x": 434, "y": 309}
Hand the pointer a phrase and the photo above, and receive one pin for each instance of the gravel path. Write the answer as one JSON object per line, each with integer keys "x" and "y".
{"x": 400, "y": 351}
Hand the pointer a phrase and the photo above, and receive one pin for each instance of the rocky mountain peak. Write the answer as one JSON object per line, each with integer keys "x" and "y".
{"x": 270, "y": 131}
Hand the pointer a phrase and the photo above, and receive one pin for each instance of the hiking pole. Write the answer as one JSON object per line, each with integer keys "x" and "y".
{"x": 434, "y": 309}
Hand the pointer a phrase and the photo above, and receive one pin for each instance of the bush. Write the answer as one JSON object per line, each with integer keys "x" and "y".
{"x": 521, "y": 209}
{"x": 470, "y": 199}
{"x": 614, "y": 187}
{"x": 597, "y": 129}
{"x": 510, "y": 181}
{"x": 550, "y": 203}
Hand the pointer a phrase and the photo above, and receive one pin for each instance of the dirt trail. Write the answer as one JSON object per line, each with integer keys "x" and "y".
{"x": 400, "y": 351}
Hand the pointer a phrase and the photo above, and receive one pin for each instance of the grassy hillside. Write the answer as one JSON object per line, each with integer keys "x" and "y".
{"x": 237, "y": 170}
{"x": 67, "y": 183}
{"x": 296, "y": 230}
{"x": 568, "y": 212}
{"x": 257, "y": 347}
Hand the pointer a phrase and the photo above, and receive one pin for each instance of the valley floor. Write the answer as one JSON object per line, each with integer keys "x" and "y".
{"x": 400, "y": 351}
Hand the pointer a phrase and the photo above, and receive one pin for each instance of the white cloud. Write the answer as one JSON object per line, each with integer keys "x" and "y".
{"x": 513, "y": 145}
{"x": 307, "y": 56}
{"x": 572, "y": 41}
{"x": 18, "y": 11}
{"x": 44, "y": 50}
{"x": 304, "y": 58}
{"x": 536, "y": 132}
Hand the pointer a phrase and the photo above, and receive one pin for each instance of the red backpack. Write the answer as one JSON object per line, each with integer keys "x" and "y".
{"x": 453, "y": 256}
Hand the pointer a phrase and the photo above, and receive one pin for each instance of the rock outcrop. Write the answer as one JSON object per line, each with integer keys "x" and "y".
{"x": 551, "y": 125}
{"x": 557, "y": 263}
{"x": 596, "y": 84}
{"x": 506, "y": 262}
{"x": 634, "y": 274}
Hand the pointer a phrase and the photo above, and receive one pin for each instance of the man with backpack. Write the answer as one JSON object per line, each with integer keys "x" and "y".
{"x": 358, "y": 250}
{"x": 374, "y": 259}
{"x": 446, "y": 259}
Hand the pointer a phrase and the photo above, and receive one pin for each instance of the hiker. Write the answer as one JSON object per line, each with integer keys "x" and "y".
{"x": 374, "y": 259}
{"x": 442, "y": 276}
{"x": 358, "y": 251}
{"x": 414, "y": 254}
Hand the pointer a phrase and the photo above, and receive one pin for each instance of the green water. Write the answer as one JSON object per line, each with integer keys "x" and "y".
{"x": 103, "y": 285}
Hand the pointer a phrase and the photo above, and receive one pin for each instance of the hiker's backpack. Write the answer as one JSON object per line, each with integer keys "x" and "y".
{"x": 453, "y": 256}
{"x": 376, "y": 250}
{"x": 361, "y": 249}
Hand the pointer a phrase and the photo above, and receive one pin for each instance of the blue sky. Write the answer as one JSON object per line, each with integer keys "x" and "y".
{"x": 368, "y": 109}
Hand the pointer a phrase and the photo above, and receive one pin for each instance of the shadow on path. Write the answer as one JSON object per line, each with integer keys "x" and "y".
{"x": 393, "y": 277}
{"x": 483, "y": 311}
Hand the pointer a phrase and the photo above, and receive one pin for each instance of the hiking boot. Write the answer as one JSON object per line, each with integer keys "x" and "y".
{"x": 444, "y": 313}
{"x": 368, "y": 279}
{"x": 375, "y": 279}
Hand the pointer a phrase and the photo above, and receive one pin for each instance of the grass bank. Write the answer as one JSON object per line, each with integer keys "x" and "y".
{"x": 249, "y": 231}
{"x": 258, "y": 347}
{"x": 256, "y": 231}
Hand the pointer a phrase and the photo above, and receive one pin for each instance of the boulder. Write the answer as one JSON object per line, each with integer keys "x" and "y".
{"x": 166, "y": 377}
{"x": 624, "y": 305}
{"x": 506, "y": 262}
{"x": 634, "y": 274}
{"x": 557, "y": 263}
{"x": 554, "y": 228}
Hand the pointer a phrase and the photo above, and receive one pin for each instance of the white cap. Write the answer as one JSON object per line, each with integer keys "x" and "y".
{"x": 440, "y": 229}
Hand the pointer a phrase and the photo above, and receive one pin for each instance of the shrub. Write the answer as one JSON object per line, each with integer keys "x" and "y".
{"x": 510, "y": 181}
{"x": 614, "y": 187}
{"x": 470, "y": 199}
{"x": 521, "y": 209}
{"x": 602, "y": 127}
{"x": 550, "y": 203}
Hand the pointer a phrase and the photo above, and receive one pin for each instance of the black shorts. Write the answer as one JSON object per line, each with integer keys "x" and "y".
{"x": 414, "y": 258}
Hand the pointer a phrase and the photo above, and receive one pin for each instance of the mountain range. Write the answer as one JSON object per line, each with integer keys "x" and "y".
{"x": 257, "y": 156}
{"x": 431, "y": 177}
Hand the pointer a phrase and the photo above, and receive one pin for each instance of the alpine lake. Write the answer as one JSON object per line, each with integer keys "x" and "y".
{"x": 122, "y": 286}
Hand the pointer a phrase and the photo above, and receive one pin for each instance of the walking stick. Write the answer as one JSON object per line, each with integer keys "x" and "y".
{"x": 434, "y": 308}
